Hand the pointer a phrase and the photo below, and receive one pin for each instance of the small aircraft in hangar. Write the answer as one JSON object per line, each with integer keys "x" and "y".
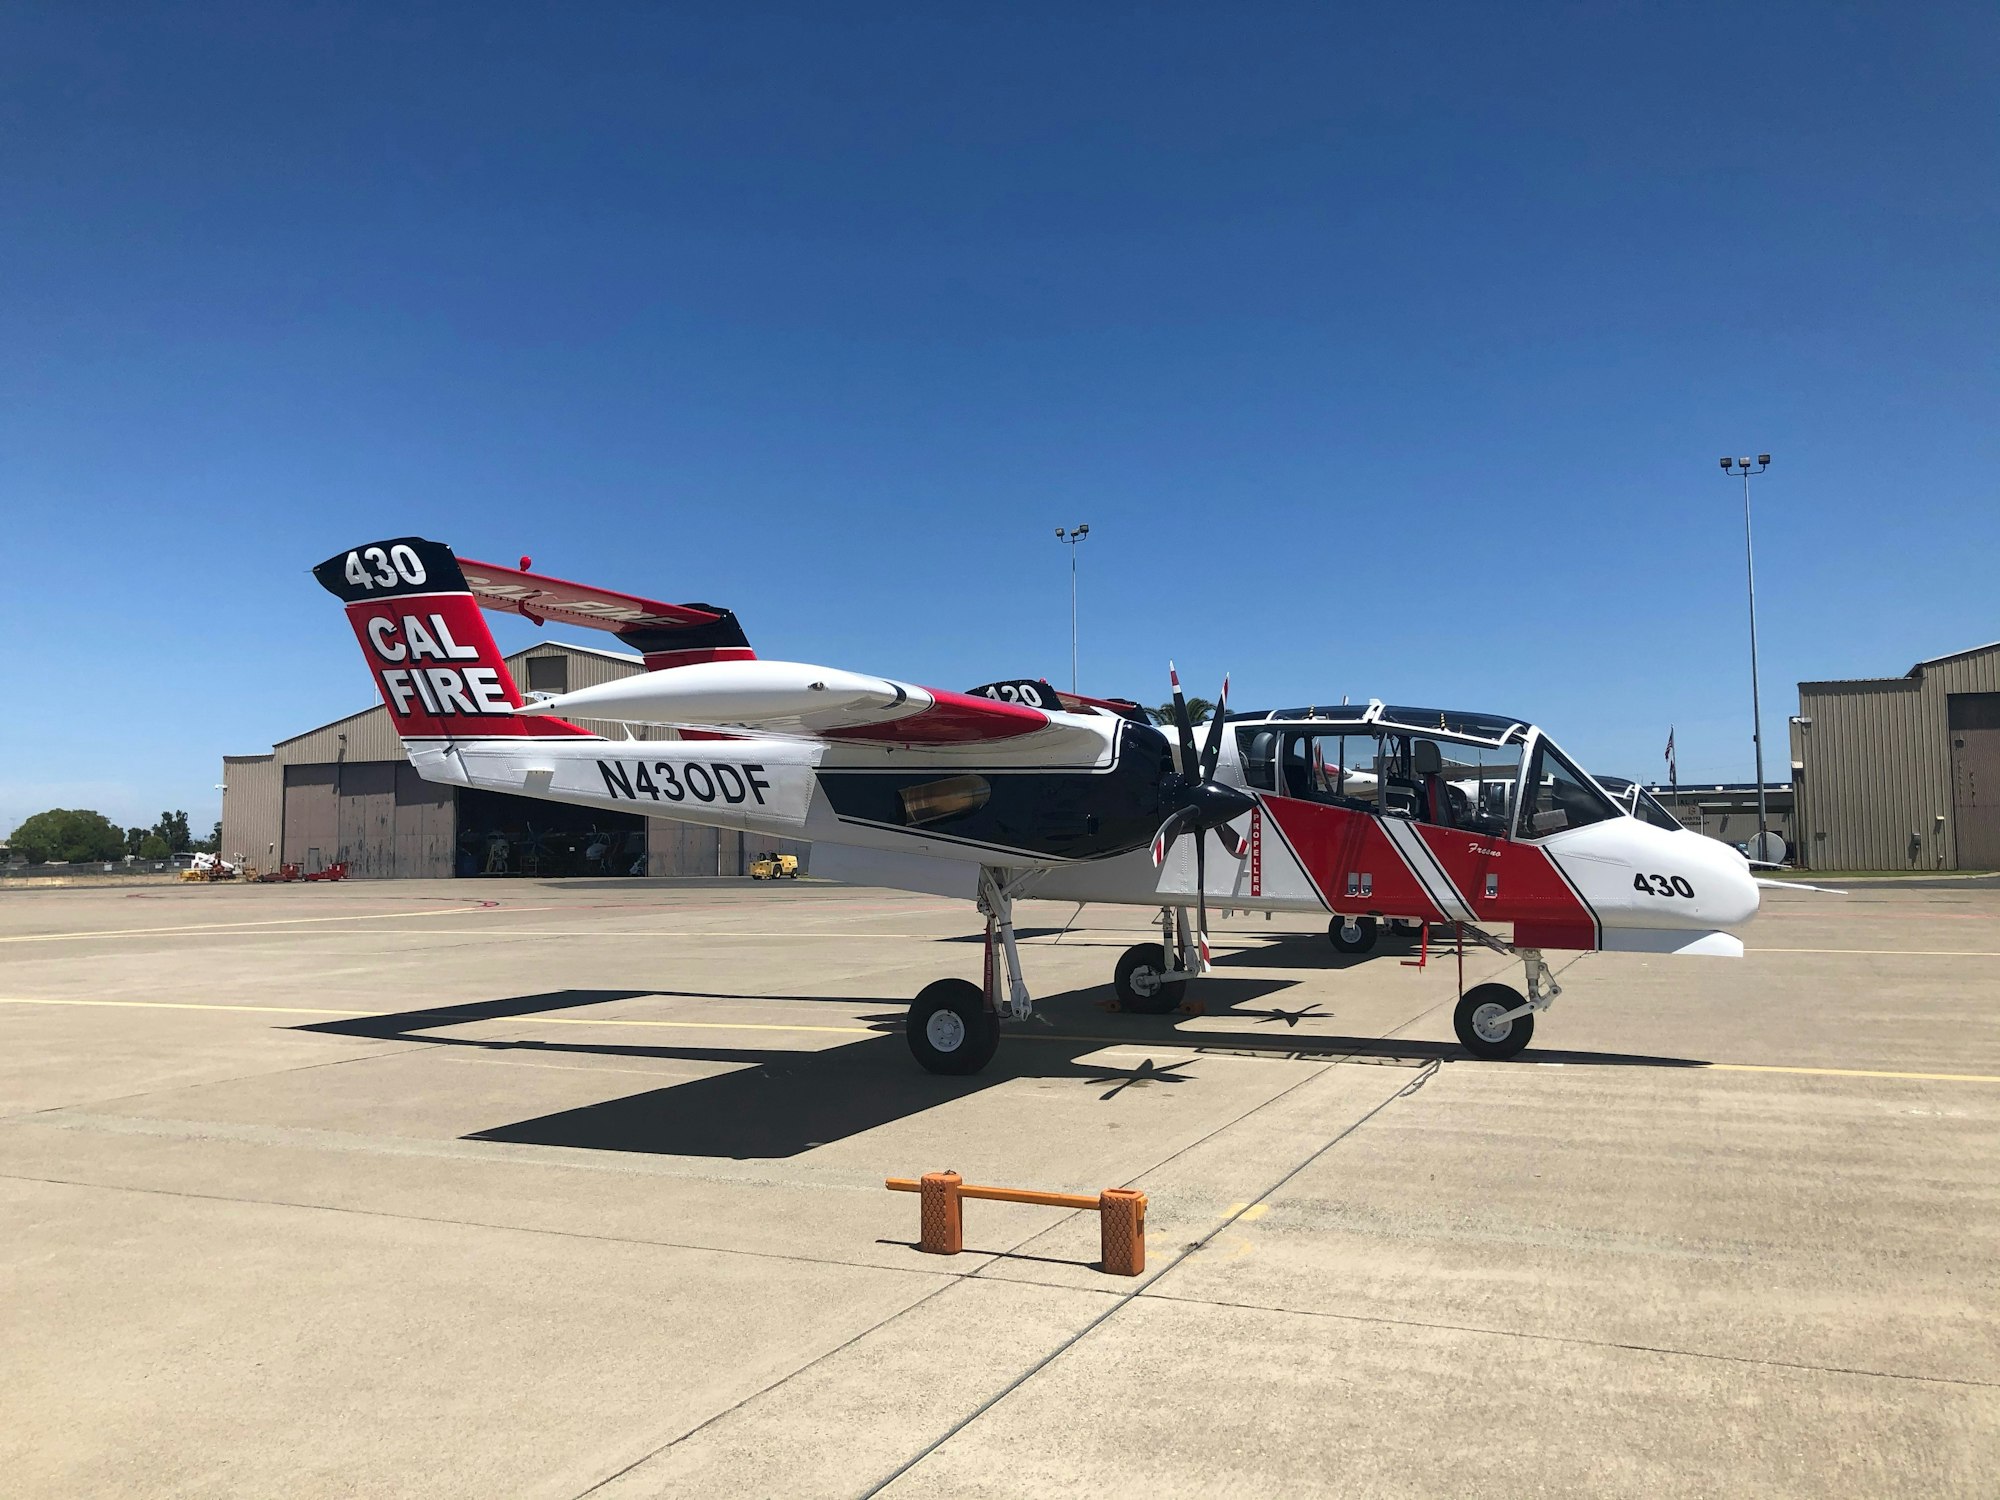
{"x": 1366, "y": 813}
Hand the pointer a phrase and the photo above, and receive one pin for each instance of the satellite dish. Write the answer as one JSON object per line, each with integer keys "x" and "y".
{"x": 1768, "y": 847}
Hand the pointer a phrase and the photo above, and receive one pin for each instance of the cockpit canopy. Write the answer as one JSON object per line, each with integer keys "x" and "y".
{"x": 1639, "y": 802}
{"x": 1490, "y": 728}
{"x": 1483, "y": 773}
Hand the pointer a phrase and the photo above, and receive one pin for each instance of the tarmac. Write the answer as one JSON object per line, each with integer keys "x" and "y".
{"x": 506, "y": 1188}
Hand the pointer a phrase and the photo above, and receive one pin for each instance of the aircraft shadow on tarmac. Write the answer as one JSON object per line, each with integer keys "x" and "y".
{"x": 780, "y": 1103}
{"x": 1312, "y": 950}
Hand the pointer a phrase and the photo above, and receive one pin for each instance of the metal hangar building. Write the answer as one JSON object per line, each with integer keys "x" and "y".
{"x": 1901, "y": 773}
{"x": 345, "y": 791}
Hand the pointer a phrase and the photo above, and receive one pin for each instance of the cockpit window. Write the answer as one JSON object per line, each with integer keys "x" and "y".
{"x": 1334, "y": 768}
{"x": 1652, "y": 810}
{"x": 1464, "y": 785}
{"x": 1559, "y": 796}
{"x": 1429, "y": 778}
{"x": 1258, "y": 749}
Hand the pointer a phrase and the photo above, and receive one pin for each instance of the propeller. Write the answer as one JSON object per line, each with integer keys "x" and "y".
{"x": 1200, "y": 803}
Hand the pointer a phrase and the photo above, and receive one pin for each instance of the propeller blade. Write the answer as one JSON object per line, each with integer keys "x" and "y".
{"x": 1183, "y": 723}
{"x": 1211, "y": 750}
{"x": 1201, "y": 895}
{"x": 1163, "y": 841}
{"x": 1234, "y": 842}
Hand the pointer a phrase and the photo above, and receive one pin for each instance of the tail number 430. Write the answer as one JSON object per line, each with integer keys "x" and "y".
{"x": 1663, "y": 885}
{"x": 380, "y": 567}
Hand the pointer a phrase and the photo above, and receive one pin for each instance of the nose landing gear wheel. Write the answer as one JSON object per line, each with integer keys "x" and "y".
{"x": 1142, "y": 984}
{"x": 1481, "y": 1032}
{"x": 950, "y": 1030}
{"x": 1357, "y": 938}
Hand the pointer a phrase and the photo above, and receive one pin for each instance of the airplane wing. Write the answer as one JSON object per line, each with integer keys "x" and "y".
{"x": 669, "y": 635}
{"x": 1037, "y": 692}
{"x": 538, "y": 597}
{"x": 800, "y": 699}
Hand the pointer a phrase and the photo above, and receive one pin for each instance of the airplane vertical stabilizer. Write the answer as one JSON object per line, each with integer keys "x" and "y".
{"x": 436, "y": 664}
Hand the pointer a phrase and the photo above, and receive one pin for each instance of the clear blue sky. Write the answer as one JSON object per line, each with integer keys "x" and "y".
{"x": 1388, "y": 351}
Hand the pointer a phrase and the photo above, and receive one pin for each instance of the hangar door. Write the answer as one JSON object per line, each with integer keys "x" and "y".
{"x": 311, "y": 826}
{"x": 1975, "y": 778}
{"x": 380, "y": 816}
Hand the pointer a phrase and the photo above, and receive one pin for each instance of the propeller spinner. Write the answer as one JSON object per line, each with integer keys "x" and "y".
{"x": 1200, "y": 802}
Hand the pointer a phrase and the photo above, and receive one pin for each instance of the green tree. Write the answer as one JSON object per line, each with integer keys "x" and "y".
{"x": 134, "y": 837}
{"x": 72, "y": 834}
{"x": 173, "y": 827}
{"x": 153, "y": 847}
{"x": 213, "y": 843}
{"x": 1199, "y": 711}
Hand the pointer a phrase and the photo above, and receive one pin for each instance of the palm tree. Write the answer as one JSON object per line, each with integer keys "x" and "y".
{"x": 1199, "y": 711}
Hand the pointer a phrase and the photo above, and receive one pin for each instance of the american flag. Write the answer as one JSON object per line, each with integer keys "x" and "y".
{"x": 1673, "y": 768}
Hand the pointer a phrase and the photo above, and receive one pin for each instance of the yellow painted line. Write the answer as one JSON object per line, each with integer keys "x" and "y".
{"x": 681, "y": 1025}
{"x": 260, "y": 1010}
{"x": 1854, "y": 1073}
{"x": 1883, "y": 952}
{"x": 498, "y": 930}
{"x": 1254, "y": 1211}
{"x": 379, "y": 916}
{"x": 301, "y": 1010}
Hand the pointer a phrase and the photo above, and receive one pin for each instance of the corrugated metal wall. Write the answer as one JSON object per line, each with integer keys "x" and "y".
{"x": 312, "y": 818}
{"x": 426, "y": 825}
{"x": 253, "y": 808}
{"x": 1874, "y": 780}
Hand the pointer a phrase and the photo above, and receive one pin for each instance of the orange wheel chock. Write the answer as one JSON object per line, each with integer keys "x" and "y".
{"x": 942, "y": 1222}
{"x": 1121, "y": 1216}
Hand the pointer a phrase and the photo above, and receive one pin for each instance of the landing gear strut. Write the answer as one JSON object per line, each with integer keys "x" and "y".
{"x": 1493, "y": 1021}
{"x": 1151, "y": 978}
{"x": 954, "y": 1025}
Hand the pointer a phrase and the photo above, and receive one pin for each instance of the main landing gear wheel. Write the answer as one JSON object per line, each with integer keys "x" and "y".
{"x": 1142, "y": 983}
{"x": 1356, "y": 935}
{"x": 1480, "y": 1029}
{"x": 950, "y": 1030}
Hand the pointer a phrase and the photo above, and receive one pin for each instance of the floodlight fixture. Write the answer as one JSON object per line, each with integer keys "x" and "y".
{"x": 1745, "y": 467}
{"x": 1069, "y": 539}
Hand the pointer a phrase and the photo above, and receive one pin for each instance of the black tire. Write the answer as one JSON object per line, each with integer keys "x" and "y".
{"x": 1493, "y": 1043}
{"x": 1139, "y": 982}
{"x": 950, "y": 1030}
{"x": 1366, "y": 931}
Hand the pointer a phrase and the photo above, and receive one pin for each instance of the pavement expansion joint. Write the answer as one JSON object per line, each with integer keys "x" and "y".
{"x": 1179, "y": 1258}
{"x": 1566, "y": 1338}
{"x": 932, "y": 1272}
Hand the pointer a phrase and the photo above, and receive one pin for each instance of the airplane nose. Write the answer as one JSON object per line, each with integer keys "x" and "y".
{"x": 1736, "y": 897}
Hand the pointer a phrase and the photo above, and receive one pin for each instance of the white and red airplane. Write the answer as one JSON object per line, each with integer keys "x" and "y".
{"x": 1370, "y": 814}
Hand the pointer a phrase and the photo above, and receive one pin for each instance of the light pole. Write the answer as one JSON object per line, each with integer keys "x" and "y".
{"x": 1744, "y": 467}
{"x": 1070, "y": 539}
